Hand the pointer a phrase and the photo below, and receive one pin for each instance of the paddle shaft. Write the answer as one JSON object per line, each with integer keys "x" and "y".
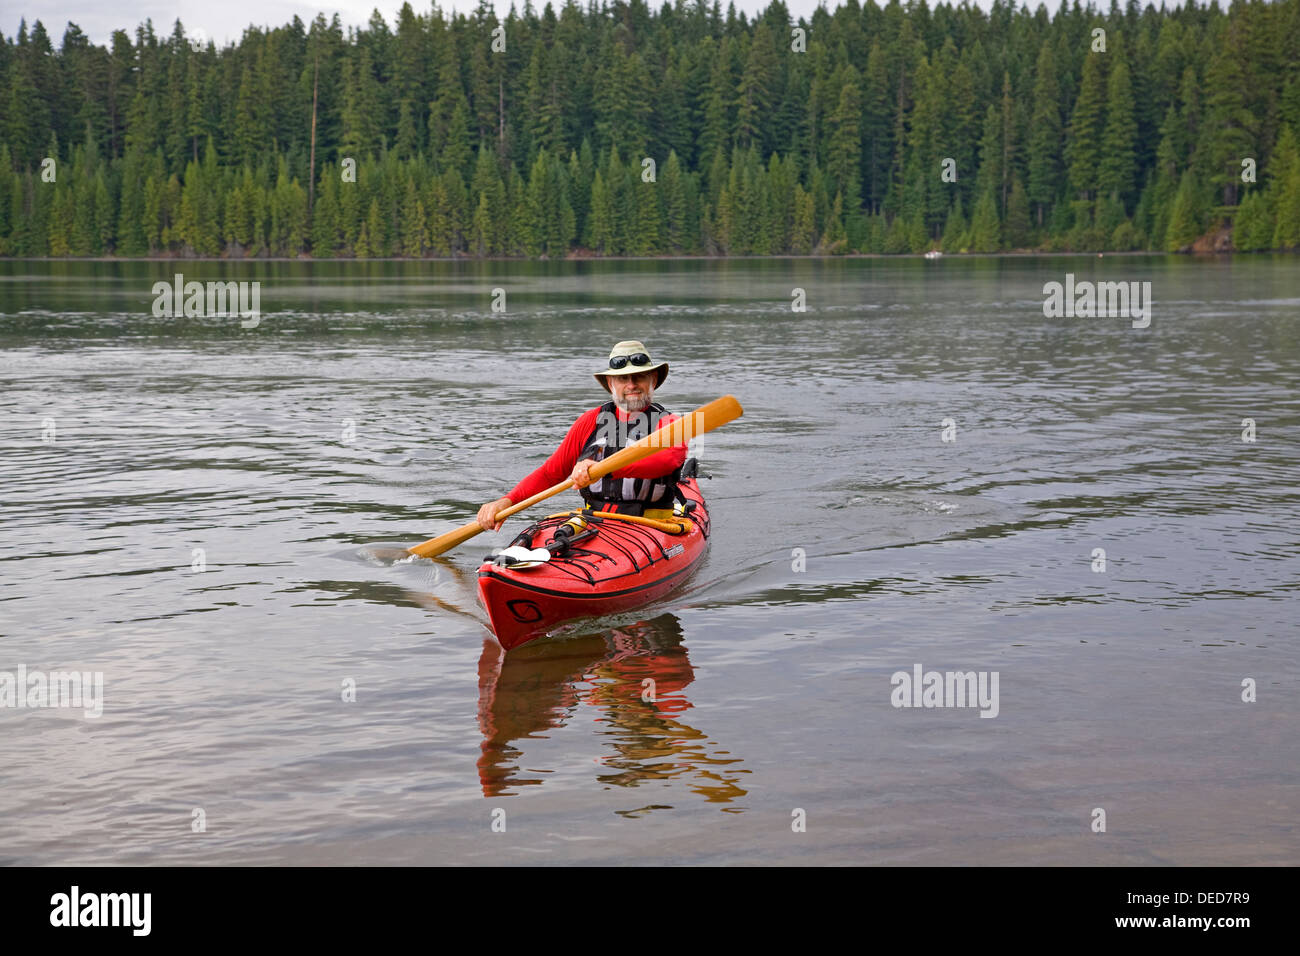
{"x": 705, "y": 418}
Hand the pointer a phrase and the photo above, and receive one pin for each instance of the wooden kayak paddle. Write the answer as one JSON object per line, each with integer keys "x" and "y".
{"x": 704, "y": 419}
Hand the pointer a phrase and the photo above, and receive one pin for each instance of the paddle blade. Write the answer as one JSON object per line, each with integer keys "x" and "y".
{"x": 705, "y": 418}
{"x": 445, "y": 542}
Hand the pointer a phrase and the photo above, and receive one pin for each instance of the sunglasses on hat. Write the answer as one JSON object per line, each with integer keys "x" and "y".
{"x": 619, "y": 361}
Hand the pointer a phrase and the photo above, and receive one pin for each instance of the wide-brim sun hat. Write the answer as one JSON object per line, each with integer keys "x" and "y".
{"x": 632, "y": 358}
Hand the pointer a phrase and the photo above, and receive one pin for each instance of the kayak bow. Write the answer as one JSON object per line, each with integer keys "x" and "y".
{"x": 599, "y": 563}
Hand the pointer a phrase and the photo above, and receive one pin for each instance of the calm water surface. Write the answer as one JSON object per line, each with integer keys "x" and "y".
{"x": 379, "y": 404}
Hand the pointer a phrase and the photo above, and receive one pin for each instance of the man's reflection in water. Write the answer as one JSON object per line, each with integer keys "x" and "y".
{"x": 636, "y": 675}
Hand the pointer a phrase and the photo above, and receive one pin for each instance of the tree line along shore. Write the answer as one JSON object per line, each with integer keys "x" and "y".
{"x": 618, "y": 130}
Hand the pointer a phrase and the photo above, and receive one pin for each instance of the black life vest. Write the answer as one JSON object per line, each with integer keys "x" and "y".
{"x": 626, "y": 495}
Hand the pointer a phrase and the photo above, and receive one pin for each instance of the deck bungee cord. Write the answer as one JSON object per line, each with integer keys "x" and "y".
{"x": 631, "y": 536}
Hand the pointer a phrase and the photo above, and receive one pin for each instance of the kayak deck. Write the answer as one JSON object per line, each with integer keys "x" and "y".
{"x": 599, "y": 564}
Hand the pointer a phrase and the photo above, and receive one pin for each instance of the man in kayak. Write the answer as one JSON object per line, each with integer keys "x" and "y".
{"x": 645, "y": 488}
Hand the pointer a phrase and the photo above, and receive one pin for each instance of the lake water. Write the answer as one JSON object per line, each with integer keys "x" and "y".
{"x": 378, "y": 404}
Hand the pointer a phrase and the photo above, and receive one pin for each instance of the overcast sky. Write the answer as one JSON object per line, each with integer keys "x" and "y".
{"x": 224, "y": 20}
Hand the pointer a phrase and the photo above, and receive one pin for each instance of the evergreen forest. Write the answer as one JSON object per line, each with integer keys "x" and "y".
{"x": 615, "y": 129}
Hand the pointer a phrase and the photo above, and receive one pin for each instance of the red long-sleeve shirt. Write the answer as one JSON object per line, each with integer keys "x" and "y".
{"x": 560, "y": 465}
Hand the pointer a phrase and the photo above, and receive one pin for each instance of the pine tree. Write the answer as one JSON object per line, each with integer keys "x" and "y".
{"x": 548, "y": 224}
{"x": 1229, "y": 113}
{"x": 989, "y": 177}
{"x": 485, "y": 76}
{"x": 1017, "y": 226}
{"x": 410, "y": 50}
{"x": 153, "y": 213}
{"x": 413, "y": 230}
{"x": 197, "y": 223}
{"x": 724, "y": 224}
{"x": 926, "y": 198}
{"x": 621, "y": 184}
{"x": 715, "y": 134}
{"x": 438, "y": 235}
{"x": 717, "y": 177}
{"x": 62, "y": 225}
{"x": 288, "y": 215}
{"x": 877, "y": 230}
{"x": 376, "y": 240}
{"x": 754, "y": 92}
{"x": 176, "y": 132}
{"x": 130, "y": 221}
{"x": 1083, "y": 149}
{"x": 326, "y": 230}
{"x": 580, "y": 172}
{"x": 1254, "y": 224}
{"x": 362, "y": 109}
{"x": 646, "y": 237}
{"x": 959, "y": 127}
{"x": 622, "y": 107}
{"x": 260, "y": 213}
{"x": 803, "y": 236}
{"x": 26, "y": 116}
{"x": 738, "y": 221}
{"x": 407, "y": 142}
{"x": 876, "y": 128}
{"x": 1045, "y": 136}
{"x": 834, "y": 236}
{"x": 954, "y": 230}
{"x": 460, "y": 219}
{"x": 844, "y": 153}
{"x": 487, "y": 185}
{"x": 484, "y": 229}
{"x": 985, "y": 229}
{"x": 252, "y": 118}
{"x": 32, "y": 235}
{"x": 918, "y": 237}
{"x": 1187, "y": 218}
{"x": 1117, "y": 168}
{"x": 456, "y": 152}
{"x": 782, "y": 176}
{"x": 7, "y": 210}
{"x": 514, "y": 229}
{"x": 898, "y": 237}
{"x": 600, "y": 228}
{"x": 1010, "y": 159}
{"x": 104, "y": 215}
{"x": 196, "y": 108}
{"x": 674, "y": 205}
{"x": 81, "y": 199}
{"x": 538, "y": 122}
{"x": 1284, "y": 190}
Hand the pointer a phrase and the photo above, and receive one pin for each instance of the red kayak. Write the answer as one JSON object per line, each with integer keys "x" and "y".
{"x": 589, "y": 564}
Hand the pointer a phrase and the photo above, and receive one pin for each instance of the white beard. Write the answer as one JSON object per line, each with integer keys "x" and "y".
{"x": 633, "y": 405}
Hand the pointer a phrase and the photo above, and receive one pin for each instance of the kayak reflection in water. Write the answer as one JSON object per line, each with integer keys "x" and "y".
{"x": 640, "y": 673}
{"x": 645, "y": 488}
